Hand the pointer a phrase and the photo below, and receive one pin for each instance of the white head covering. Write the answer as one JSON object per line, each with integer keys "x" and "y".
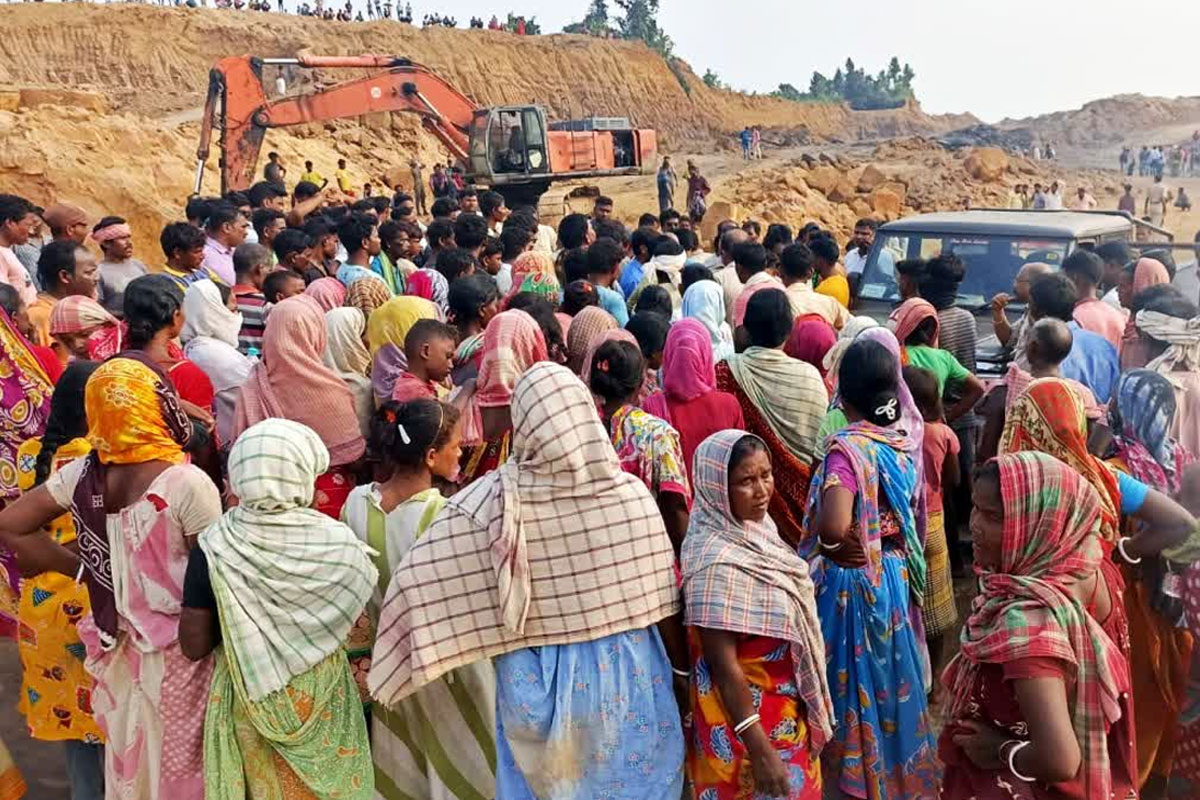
{"x": 205, "y": 314}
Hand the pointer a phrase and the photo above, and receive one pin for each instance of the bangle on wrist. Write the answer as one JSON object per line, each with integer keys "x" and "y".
{"x": 745, "y": 724}
{"x": 830, "y": 548}
{"x": 1121, "y": 549}
{"x": 1012, "y": 761}
{"x": 682, "y": 673}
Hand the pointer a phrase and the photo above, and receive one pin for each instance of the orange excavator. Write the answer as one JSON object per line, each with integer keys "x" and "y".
{"x": 509, "y": 148}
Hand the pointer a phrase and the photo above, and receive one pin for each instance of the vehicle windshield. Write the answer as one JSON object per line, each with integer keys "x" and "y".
{"x": 992, "y": 262}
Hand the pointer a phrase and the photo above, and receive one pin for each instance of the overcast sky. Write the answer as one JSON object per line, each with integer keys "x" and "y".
{"x": 1012, "y": 58}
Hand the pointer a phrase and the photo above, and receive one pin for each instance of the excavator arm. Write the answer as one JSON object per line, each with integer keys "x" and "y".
{"x": 238, "y": 107}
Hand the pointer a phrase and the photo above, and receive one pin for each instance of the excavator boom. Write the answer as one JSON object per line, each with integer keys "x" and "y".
{"x": 512, "y": 148}
{"x": 237, "y": 104}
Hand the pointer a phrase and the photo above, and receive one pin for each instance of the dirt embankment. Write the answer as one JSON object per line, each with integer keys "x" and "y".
{"x": 98, "y": 103}
{"x": 1113, "y": 120}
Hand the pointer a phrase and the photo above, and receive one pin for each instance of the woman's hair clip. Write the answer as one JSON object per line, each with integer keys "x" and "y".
{"x": 404, "y": 437}
{"x": 390, "y": 416}
{"x": 888, "y": 410}
{"x": 602, "y": 365}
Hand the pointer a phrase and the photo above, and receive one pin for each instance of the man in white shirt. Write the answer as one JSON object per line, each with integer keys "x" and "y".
{"x": 860, "y": 247}
{"x": 1157, "y": 197}
{"x": 796, "y": 271}
{"x": 1082, "y": 200}
{"x": 1054, "y": 199}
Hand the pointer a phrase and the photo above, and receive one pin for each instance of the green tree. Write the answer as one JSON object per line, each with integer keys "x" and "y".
{"x": 788, "y": 92}
{"x": 712, "y": 80}
{"x": 596, "y": 20}
{"x": 640, "y": 21}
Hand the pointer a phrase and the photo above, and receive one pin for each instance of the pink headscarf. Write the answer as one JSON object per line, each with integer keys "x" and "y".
{"x": 109, "y": 232}
{"x": 812, "y": 337}
{"x": 1136, "y": 353}
{"x": 612, "y": 335}
{"x": 512, "y": 343}
{"x": 329, "y": 293}
{"x": 293, "y": 382}
{"x": 909, "y": 316}
{"x": 688, "y": 371}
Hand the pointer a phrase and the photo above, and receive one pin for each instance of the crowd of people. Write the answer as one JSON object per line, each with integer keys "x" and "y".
{"x": 1177, "y": 161}
{"x": 339, "y": 500}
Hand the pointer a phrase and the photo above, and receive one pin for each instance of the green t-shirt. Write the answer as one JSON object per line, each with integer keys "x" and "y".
{"x": 941, "y": 363}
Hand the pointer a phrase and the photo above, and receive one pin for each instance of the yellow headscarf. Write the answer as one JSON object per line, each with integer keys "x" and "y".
{"x": 391, "y": 322}
{"x": 133, "y": 416}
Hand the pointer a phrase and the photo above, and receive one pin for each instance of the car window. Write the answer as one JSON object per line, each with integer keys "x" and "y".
{"x": 992, "y": 262}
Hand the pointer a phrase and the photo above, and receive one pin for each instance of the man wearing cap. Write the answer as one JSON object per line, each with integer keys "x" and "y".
{"x": 119, "y": 267}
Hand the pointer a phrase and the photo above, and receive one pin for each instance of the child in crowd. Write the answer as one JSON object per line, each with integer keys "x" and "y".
{"x": 939, "y": 455}
{"x": 429, "y": 349}
{"x": 650, "y": 329}
{"x": 418, "y": 445}
{"x": 251, "y": 264}
{"x": 282, "y": 284}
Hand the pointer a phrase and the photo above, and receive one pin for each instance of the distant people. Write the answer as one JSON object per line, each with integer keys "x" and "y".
{"x": 275, "y": 172}
{"x": 344, "y": 181}
{"x": 1082, "y": 201}
{"x": 417, "y": 170}
{"x": 667, "y": 180}
{"x": 756, "y": 142}
{"x": 1127, "y": 202}
{"x": 746, "y": 139}
{"x": 1054, "y": 198}
{"x": 1157, "y": 197}
{"x": 698, "y": 191}
{"x": 1039, "y": 198}
{"x": 1182, "y": 201}
{"x": 313, "y": 177}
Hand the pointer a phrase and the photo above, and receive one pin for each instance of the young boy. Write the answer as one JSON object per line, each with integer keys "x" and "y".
{"x": 939, "y": 455}
{"x": 491, "y": 257}
{"x": 650, "y": 329}
{"x": 280, "y": 285}
{"x": 604, "y": 259}
{"x": 251, "y": 263}
{"x": 429, "y": 348}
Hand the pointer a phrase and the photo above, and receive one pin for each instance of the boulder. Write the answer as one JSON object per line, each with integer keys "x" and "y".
{"x": 886, "y": 203}
{"x": 823, "y": 179}
{"x": 861, "y": 207}
{"x": 842, "y": 192}
{"x": 718, "y": 212}
{"x": 872, "y": 176}
{"x": 986, "y": 164}
{"x": 900, "y": 189}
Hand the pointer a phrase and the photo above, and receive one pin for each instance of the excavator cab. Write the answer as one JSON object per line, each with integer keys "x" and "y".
{"x": 508, "y": 142}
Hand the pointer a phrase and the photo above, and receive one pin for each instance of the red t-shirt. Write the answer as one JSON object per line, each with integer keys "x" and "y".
{"x": 192, "y": 384}
{"x": 940, "y": 441}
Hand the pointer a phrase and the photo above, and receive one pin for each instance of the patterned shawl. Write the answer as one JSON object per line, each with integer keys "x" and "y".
{"x": 1182, "y": 337}
{"x": 739, "y": 576}
{"x": 1025, "y": 609}
{"x": 1049, "y": 418}
{"x": 909, "y": 316}
{"x": 882, "y": 464}
{"x": 705, "y": 301}
{"x": 25, "y": 391}
{"x": 558, "y": 545}
{"x": 368, "y": 295}
{"x": 584, "y": 327}
{"x": 790, "y": 395}
{"x": 430, "y": 285}
{"x": 79, "y": 314}
{"x": 533, "y": 271}
{"x": 133, "y": 416}
{"x": 512, "y": 343}
{"x": 290, "y": 582}
{"x": 292, "y": 382}
{"x": 328, "y": 292}
{"x": 1140, "y": 416}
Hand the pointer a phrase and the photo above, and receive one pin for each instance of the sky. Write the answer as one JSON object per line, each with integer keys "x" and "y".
{"x": 1012, "y": 58}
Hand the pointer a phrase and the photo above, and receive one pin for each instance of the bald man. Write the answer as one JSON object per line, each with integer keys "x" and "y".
{"x": 1049, "y": 344}
{"x": 1015, "y": 337}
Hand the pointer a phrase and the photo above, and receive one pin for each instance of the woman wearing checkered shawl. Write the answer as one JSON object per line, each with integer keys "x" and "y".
{"x": 1039, "y": 654}
{"x": 555, "y": 565}
{"x": 754, "y": 634}
{"x": 286, "y": 584}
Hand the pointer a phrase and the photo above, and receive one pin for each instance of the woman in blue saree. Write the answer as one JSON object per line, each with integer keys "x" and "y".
{"x": 868, "y": 566}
